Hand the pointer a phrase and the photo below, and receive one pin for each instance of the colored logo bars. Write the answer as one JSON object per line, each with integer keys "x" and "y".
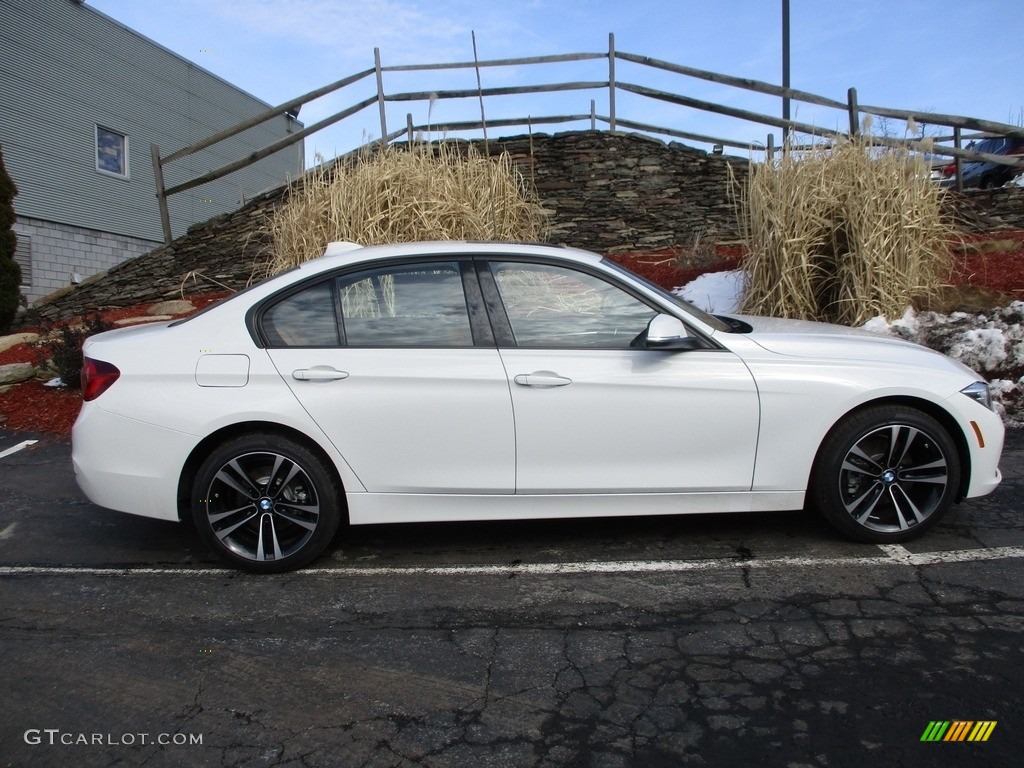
{"x": 958, "y": 730}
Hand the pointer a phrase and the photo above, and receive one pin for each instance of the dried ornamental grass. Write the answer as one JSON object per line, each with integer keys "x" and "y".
{"x": 843, "y": 235}
{"x": 393, "y": 195}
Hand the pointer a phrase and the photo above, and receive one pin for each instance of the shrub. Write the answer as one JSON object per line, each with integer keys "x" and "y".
{"x": 63, "y": 348}
{"x": 843, "y": 234}
{"x": 10, "y": 273}
{"x": 394, "y": 195}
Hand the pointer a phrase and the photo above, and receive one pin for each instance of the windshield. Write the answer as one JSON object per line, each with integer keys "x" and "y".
{"x": 695, "y": 312}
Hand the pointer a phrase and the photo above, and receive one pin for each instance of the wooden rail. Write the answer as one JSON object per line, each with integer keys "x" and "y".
{"x": 611, "y": 85}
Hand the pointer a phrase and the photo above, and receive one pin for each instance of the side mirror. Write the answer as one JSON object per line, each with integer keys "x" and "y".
{"x": 666, "y": 332}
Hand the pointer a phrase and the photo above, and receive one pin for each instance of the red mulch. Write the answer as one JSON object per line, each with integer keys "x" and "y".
{"x": 31, "y": 407}
{"x": 994, "y": 261}
{"x": 22, "y": 353}
{"x": 662, "y": 266}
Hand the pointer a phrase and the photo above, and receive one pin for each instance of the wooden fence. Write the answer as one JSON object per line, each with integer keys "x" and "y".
{"x": 609, "y": 84}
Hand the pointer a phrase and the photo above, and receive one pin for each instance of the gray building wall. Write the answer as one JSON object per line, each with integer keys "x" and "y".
{"x": 65, "y": 69}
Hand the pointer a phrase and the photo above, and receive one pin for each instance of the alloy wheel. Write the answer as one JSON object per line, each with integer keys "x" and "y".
{"x": 893, "y": 478}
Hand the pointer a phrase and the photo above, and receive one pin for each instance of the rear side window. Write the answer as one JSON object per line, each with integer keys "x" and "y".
{"x": 406, "y": 305}
{"x": 421, "y": 305}
{"x": 304, "y": 319}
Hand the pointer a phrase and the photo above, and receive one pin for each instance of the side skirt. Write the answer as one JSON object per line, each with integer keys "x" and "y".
{"x": 371, "y": 508}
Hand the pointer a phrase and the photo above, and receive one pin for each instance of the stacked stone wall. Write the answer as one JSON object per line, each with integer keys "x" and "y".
{"x": 607, "y": 193}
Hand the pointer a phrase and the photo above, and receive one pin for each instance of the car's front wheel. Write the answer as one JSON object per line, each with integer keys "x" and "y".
{"x": 265, "y": 503}
{"x": 885, "y": 474}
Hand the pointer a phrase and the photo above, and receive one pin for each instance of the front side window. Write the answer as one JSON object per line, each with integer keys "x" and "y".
{"x": 550, "y": 306}
{"x": 111, "y": 152}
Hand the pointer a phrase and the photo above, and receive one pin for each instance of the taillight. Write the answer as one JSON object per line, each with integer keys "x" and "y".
{"x": 949, "y": 170}
{"x": 97, "y": 378}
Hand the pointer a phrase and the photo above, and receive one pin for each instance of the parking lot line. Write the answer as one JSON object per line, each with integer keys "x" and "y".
{"x": 20, "y": 446}
{"x": 891, "y": 555}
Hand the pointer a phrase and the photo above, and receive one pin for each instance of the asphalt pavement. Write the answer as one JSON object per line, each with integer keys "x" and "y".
{"x": 699, "y": 640}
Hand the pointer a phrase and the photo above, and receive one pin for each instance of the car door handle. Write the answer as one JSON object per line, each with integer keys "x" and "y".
{"x": 541, "y": 379}
{"x": 318, "y": 373}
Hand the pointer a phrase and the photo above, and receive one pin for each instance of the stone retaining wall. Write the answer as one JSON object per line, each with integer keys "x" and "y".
{"x": 991, "y": 208}
{"x": 611, "y": 194}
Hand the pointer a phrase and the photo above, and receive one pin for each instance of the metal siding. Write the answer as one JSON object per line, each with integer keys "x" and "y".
{"x": 65, "y": 68}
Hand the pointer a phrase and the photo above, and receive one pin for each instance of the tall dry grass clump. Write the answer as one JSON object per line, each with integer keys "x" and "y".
{"x": 843, "y": 234}
{"x": 394, "y": 195}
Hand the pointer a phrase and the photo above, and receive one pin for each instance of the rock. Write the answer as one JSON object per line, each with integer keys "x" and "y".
{"x": 176, "y": 307}
{"x": 15, "y": 373}
{"x": 142, "y": 319}
{"x": 13, "y": 340}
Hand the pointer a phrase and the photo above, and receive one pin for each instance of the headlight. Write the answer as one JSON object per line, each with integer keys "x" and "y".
{"x": 979, "y": 391}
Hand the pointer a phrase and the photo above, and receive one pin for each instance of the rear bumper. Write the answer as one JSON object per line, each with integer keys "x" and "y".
{"x": 128, "y": 465}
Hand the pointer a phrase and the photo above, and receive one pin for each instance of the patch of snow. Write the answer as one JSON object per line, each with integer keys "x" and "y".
{"x": 983, "y": 349}
{"x": 720, "y": 292}
{"x": 57, "y": 382}
{"x": 991, "y": 343}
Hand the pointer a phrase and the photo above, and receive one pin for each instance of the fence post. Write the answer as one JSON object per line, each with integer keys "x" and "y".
{"x": 158, "y": 177}
{"x": 611, "y": 82}
{"x": 408, "y": 127}
{"x": 380, "y": 97}
{"x": 593, "y": 115}
{"x": 851, "y": 100}
{"x": 958, "y": 160}
{"x": 770, "y": 147}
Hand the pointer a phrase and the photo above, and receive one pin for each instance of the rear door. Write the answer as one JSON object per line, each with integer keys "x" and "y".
{"x": 395, "y": 366}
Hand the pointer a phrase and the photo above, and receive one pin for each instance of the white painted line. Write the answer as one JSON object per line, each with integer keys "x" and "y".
{"x": 7, "y": 532}
{"x": 892, "y": 556}
{"x": 20, "y": 446}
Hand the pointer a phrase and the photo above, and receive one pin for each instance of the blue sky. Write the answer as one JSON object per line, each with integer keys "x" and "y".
{"x": 941, "y": 56}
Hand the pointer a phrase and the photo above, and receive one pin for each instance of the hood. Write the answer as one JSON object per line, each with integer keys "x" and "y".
{"x": 803, "y": 338}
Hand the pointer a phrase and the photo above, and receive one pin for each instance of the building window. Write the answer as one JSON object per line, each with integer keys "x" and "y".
{"x": 111, "y": 152}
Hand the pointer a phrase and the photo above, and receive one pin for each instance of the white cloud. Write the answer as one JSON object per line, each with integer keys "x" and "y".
{"x": 340, "y": 25}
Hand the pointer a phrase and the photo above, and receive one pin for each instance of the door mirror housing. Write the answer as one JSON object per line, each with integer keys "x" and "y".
{"x": 668, "y": 333}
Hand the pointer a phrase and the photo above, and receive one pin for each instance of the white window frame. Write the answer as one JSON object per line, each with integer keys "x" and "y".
{"x": 124, "y": 138}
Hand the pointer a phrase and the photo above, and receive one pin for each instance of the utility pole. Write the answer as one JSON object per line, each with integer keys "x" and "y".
{"x": 785, "y": 58}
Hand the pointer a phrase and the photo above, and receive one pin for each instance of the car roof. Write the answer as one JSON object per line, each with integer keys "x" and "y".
{"x": 339, "y": 254}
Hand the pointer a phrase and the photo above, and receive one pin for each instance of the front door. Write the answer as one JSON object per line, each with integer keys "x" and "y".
{"x": 596, "y": 414}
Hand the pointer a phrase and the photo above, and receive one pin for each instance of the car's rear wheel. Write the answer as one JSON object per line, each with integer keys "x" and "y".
{"x": 885, "y": 474}
{"x": 265, "y": 503}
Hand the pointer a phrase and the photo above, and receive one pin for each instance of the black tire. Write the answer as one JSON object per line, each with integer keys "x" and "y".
{"x": 885, "y": 474}
{"x": 265, "y": 503}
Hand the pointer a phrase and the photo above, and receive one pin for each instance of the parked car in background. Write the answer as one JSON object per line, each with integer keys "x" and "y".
{"x": 986, "y": 174}
{"x": 481, "y": 381}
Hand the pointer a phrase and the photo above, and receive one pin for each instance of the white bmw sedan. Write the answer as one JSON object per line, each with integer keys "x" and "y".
{"x": 460, "y": 381}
